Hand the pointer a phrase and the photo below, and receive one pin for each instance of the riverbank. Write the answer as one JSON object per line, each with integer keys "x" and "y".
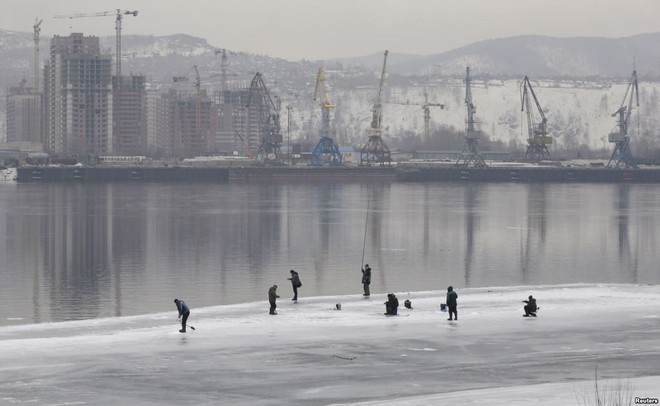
{"x": 312, "y": 354}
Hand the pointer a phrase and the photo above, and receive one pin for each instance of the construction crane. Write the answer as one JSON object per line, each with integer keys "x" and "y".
{"x": 537, "y": 131}
{"x": 36, "y": 29}
{"x": 326, "y": 145}
{"x": 375, "y": 149}
{"x": 269, "y": 114}
{"x": 622, "y": 155}
{"x": 426, "y": 108}
{"x": 223, "y": 67}
{"x": 119, "y": 15}
{"x": 470, "y": 156}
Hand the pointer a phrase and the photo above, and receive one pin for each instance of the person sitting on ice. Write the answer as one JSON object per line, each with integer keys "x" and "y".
{"x": 392, "y": 305}
{"x": 530, "y": 307}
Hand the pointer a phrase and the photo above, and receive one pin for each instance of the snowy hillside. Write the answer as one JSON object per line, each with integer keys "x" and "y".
{"x": 578, "y": 112}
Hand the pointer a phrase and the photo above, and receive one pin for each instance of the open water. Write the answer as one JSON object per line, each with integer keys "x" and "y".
{"x": 76, "y": 251}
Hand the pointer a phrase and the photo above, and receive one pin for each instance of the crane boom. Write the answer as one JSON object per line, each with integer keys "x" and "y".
{"x": 378, "y": 106}
{"x": 119, "y": 15}
{"x": 36, "y": 30}
{"x": 320, "y": 83}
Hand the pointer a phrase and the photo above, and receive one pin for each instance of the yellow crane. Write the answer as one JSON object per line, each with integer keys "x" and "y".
{"x": 326, "y": 145}
{"x": 119, "y": 15}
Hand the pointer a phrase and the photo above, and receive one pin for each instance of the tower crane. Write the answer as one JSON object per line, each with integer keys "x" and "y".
{"x": 426, "y": 108}
{"x": 537, "y": 138}
{"x": 326, "y": 144}
{"x": 37, "y": 29}
{"x": 470, "y": 154}
{"x": 119, "y": 15}
{"x": 375, "y": 149}
{"x": 622, "y": 155}
{"x": 271, "y": 137}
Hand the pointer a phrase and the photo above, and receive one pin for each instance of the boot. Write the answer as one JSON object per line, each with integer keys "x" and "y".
{"x": 182, "y": 331}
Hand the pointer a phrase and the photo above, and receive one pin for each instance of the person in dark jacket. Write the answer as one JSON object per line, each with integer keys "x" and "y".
{"x": 392, "y": 305}
{"x": 295, "y": 283}
{"x": 530, "y": 307}
{"x": 272, "y": 298}
{"x": 184, "y": 312}
{"x": 451, "y": 303}
{"x": 366, "y": 279}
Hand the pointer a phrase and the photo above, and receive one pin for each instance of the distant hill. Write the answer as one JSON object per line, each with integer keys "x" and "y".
{"x": 538, "y": 56}
{"x": 545, "y": 57}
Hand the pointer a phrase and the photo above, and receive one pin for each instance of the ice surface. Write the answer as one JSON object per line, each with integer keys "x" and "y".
{"x": 311, "y": 354}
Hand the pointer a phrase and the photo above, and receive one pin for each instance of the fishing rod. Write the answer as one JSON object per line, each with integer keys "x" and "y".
{"x": 364, "y": 242}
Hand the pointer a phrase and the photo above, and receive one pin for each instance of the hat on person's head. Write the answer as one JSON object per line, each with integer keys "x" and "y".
{"x": 530, "y": 296}
{"x": 292, "y": 271}
{"x": 366, "y": 265}
{"x": 176, "y": 300}
{"x": 450, "y": 288}
{"x": 275, "y": 286}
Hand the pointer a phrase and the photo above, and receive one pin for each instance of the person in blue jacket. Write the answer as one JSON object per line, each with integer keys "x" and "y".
{"x": 184, "y": 312}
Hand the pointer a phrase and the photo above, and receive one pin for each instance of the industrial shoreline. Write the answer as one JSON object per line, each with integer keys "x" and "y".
{"x": 401, "y": 172}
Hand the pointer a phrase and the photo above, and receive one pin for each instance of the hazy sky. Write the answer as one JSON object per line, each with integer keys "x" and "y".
{"x": 313, "y": 29}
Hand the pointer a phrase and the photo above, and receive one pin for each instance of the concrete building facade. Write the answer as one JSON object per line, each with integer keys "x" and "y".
{"x": 78, "y": 96}
{"x": 24, "y": 115}
{"x": 129, "y": 116}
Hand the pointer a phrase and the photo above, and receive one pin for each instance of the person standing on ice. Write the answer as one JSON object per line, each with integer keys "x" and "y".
{"x": 272, "y": 298}
{"x": 530, "y": 307}
{"x": 295, "y": 283}
{"x": 184, "y": 312}
{"x": 366, "y": 279}
{"x": 451, "y": 303}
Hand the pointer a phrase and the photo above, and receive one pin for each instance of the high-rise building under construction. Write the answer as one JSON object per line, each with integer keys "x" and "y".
{"x": 78, "y": 98}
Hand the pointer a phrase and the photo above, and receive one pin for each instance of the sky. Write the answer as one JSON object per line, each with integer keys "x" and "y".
{"x": 314, "y": 29}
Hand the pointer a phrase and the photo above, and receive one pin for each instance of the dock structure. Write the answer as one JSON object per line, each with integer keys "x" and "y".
{"x": 402, "y": 173}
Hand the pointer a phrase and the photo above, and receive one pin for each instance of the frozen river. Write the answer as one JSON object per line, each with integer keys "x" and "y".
{"x": 310, "y": 354}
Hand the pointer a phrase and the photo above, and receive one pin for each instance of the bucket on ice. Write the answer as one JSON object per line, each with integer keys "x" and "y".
{"x": 443, "y": 307}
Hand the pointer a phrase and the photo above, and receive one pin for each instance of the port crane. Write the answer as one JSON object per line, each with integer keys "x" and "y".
{"x": 119, "y": 16}
{"x": 326, "y": 145}
{"x": 36, "y": 30}
{"x": 375, "y": 149}
{"x": 269, "y": 114}
{"x": 622, "y": 156}
{"x": 470, "y": 155}
{"x": 426, "y": 108}
{"x": 537, "y": 139}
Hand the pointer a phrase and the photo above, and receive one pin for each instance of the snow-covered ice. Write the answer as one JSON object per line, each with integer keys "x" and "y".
{"x": 312, "y": 354}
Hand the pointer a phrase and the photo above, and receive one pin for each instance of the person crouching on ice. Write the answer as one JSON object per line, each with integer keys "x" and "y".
{"x": 184, "y": 312}
{"x": 392, "y": 305}
{"x": 530, "y": 307}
